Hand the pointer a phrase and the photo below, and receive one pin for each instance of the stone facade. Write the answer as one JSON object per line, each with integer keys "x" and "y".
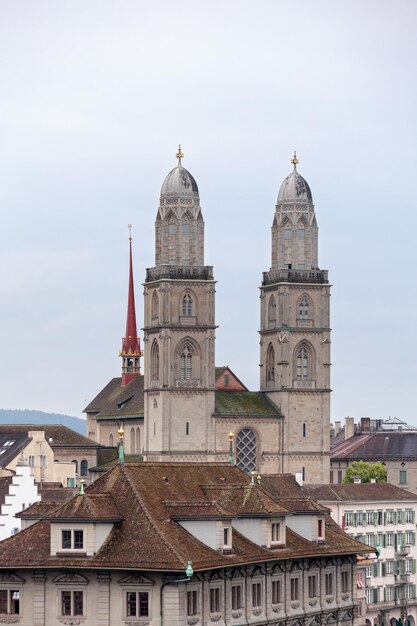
{"x": 295, "y": 333}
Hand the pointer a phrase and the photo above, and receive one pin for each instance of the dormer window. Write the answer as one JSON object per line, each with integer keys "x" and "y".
{"x": 72, "y": 539}
{"x": 320, "y": 530}
{"x": 227, "y": 538}
{"x": 276, "y": 532}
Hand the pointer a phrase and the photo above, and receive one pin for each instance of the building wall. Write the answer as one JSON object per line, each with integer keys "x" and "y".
{"x": 22, "y": 493}
{"x": 104, "y": 595}
{"x": 396, "y": 566}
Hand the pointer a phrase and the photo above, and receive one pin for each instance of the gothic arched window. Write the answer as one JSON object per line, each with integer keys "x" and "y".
{"x": 272, "y": 312}
{"x": 111, "y": 440}
{"x": 304, "y": 308}
{"x": 138, "y": 450}
{"x": 246, "y": 450}
{"x": 302, "y": 363}
{"x": 155, "y": 361}
{"x": 132, "y": 441}
{"x": 187, "y": 305}
{"x": 270, "y": 364}
{"x": 186, "y": 365}
{"x": 155, "y": 305}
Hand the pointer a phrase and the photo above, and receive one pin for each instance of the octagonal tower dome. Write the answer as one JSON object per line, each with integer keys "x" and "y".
{"x": 179, "y": 182}
{"x": 295, "y": 188}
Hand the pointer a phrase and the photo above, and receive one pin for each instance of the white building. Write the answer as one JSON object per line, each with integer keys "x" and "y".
{"x": 16, "y": 494}
{"x": 383, "y": 516}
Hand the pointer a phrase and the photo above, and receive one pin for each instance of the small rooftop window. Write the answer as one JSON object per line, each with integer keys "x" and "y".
{"x": 8, "y": 443}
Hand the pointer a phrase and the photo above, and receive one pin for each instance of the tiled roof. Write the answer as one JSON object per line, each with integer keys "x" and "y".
{"x": 379, "y": 446}
{"x": 148, "y": 537}
{"x": 10, "y": 452}
{"x": 117, "y": 402}
{"x": 361, "y": 492}
{"x": 95, "y": 506}
{"x": 61, "y": 435}
{"x": 285, "y": 489}
{"x": 247, "y": 403}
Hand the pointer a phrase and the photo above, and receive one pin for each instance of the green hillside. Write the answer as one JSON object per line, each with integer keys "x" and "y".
{"x": 27, "y": 416}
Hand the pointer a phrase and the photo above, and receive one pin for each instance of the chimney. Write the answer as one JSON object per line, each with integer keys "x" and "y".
{"x": 349, "y": 427}
{"x": 337, "y": 428}
{"x": 365, "y": 424}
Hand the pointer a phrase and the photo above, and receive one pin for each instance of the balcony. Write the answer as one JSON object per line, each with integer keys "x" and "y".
{"x": 179, "y": 272}
{"x": 304, "y": 384}
{"x": 295, "y": 276}
{"x": 401, "y": 551}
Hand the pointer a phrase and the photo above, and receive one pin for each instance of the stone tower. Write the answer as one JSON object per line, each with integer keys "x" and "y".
{"x": 179, "y": 332}
{"x": 295, "y": 333}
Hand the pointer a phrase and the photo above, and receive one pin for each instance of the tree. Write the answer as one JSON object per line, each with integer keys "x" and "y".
{"x": 366, "y": 471}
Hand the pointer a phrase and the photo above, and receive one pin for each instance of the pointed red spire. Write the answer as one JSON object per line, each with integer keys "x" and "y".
{"x": 130, "y": 343}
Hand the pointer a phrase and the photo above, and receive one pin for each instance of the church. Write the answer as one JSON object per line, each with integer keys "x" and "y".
{"x": 183, "y": 407}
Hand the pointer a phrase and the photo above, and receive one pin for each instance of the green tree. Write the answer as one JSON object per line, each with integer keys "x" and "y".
{"x": 366, "y": 471}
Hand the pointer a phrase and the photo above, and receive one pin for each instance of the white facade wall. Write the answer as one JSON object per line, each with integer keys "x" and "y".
{"x": 22, "y": 493}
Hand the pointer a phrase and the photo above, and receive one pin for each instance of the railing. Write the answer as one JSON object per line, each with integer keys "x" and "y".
{"x": 295, "y": 276}
{"x": 304, "y": 384}
{"x": 179, "y": 272}
{"x": 187, "y": 383}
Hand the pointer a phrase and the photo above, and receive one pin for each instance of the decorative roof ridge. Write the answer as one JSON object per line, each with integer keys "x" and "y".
{"x": 149, "y": 516}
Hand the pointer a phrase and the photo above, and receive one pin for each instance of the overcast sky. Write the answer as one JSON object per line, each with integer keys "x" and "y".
{"x": 95, "y": 97}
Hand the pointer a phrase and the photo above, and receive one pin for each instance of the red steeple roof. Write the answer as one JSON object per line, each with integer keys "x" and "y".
{"x": 130, "y": 343}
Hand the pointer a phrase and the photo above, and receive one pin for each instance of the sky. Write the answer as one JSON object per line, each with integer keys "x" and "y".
{"x": 95, "y": 98}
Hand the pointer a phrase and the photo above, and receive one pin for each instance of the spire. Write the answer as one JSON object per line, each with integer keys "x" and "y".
{"x": 179, "y": 154}
{"x": 130, "y": 352}
{"x": 295, "y": 161}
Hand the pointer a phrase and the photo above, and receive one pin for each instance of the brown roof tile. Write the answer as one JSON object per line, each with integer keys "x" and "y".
{"x": 61, "y": 435}
{"x": 148, "y": 538}
{"x": 361, "y": 492}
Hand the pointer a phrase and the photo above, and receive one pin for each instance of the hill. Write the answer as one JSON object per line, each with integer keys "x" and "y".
{"x": 27, "y": 416}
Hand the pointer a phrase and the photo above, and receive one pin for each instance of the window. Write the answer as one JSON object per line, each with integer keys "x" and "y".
{"x": 295, "y": 591}
{"x": 328, "y": 584}
{"x": 236, "y": 597}
{"x": 76, "y": 465}
{"x": 389, "y": 567}
{"x": 370, "y": 517}
{"x": 370, "y": 540}
{"x": 187, "y": 305}
{"x": 276, "y": 591}
{"x": 345, "y": 582}
{"x": 31, "y": 461}
{"x": 312, "y": 586}
{"x": 409, "y": 566}
{"x": 137, "y": 604}
{"x": 256, "y": 595}
{"x": 320, "y": 529}
{"x": 72, "y": 603}
{"x": 403, "y": 477}
{"x": 155, "y": 305}
{"x": 369, "y": 571}
{"x": 300, "y": 234}
{"x": 111, "y": 439}
{"x": 302, "y": 363}
{"x": 186, "y": 363}
{"x": 8, "y": 443}
{"x": 187, "y": 428}
{"x": 226, "y": 537}
{"x": 409, "y": 538}
{"x": 303, "y": 308}
{"x": 339, "y": 476}
{"x": 409, "y": 517}
{"x": 186, "y": 228}
{"x": 84, "y": 468}
{"x": 9, "y": 602}
{"x": 390, "y": 517}
{"x": 172, "y": 229}
{"x": 215, "y": 600}
{"x": 389, "y": 538}
{"x": 246, "y": 450}
{"x": 72, "y": 539}
{"x": 270, "y": 364}
{"x": 155, "y": 360}
{"x": 272, "y": 312}
{"x": 192, "y": 602}
{"x": 287, "y": 233}
{"x": 348, "y": 519}
{"x": 304, "y": 429}
{"x": 276, "y": 532}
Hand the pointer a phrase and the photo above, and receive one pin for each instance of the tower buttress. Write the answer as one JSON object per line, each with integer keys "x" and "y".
{"x": 295, "y": 332}
{"x": 130, "y": 351}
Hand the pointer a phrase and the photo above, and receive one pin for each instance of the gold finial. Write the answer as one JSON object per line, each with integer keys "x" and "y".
{"x": 121, "y": 432}
{"x": 294, "y": 160}
{"x": 130, "y": 231}
{"x": 179, "y": 154}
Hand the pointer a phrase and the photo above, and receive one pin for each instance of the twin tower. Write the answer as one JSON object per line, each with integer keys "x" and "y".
{"x": 188, "y": 414}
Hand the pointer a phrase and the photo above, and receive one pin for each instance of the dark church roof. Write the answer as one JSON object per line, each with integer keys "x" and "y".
{"x": 379, "y": 446}
{"x": 248, "y": 403}
{"x": 117, "y": 402}
{"x": 57, "y": 435}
